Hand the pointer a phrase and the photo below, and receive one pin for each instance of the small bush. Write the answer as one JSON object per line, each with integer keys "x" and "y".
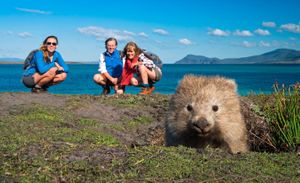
{"x": 284, "y": 117}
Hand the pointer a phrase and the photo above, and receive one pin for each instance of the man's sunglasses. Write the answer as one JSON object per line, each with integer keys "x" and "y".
{"x": 49, "y": 43}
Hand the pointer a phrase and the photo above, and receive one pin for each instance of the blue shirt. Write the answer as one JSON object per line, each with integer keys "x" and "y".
{"x": 40, "y": 66}
{"x": 111, "y": 63}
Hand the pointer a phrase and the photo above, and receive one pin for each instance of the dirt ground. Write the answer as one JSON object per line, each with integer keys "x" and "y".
{"x": 85, "y": 138}
{"x": 113, "y": 110}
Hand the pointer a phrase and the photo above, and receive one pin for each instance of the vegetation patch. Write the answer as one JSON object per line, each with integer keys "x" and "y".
{"x": 140, "y": 120}
{"x": 41, "y": 143}
{"x": 284, "y": 117}
{"x": 180, "y": 164}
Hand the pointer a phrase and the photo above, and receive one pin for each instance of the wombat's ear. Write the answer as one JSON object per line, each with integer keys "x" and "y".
{"x": 231, "y": 83}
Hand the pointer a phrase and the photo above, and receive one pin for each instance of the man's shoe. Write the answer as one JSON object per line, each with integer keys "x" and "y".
{"x": 106, "y": 90}
{"x": 35, "y": 90}
{"x": 44, "y": 90}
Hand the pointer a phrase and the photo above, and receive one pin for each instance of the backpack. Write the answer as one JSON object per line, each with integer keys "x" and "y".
{"x": 155, "y": 58}
{"x": 28, "y": 59}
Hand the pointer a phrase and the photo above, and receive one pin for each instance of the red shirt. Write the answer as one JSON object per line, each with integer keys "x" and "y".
{"x": 128, "y": 70}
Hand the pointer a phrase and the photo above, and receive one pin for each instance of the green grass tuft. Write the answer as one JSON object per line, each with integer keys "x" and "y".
{"x": 284, "y": 117}
{"x": 140, "y": 120}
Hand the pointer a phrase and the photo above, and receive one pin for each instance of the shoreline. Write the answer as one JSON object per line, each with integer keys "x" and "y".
{"x": 21, "y": 62}
{"x": 95, "y": 63}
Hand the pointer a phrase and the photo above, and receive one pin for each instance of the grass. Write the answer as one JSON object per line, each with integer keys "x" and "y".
{"x": 46, "y": 144}
{"x": 37, "y": 123}
{"x": 140, "y": 120}
{"x": 181, "y": 163}
{"x": 136, "y": 101}
{"x": 284, "y": 117}
{"x": 153, "y": 164}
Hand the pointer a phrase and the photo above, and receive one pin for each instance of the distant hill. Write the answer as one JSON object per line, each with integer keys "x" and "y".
{"x": 194, "y": 59}
{"x": 20, "y": 61}
{"x": 9, "y": 59}
{"x": 279, "y": 56}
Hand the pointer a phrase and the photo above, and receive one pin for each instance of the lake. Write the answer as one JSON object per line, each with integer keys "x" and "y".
{"x": 250, "y": 78}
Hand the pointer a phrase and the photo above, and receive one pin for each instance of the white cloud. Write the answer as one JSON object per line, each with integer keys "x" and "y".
{"x": 128, "y": 33}
{"x": 24, "y": 34}
{"x": 185, "y": 41}
{"x": 264, "y": 44}
{"x": 292, "y": 38}
{"x": 9, "y": 33}
{"x": 20, "y": 34}
{"x": 34, "y": 11}
{"x": 286, "y": 44}
{"x": 243, "y": 33}
{"x": 143, "y": 34}
{"x": 276, "y": 43}
{"x": 218, "y": 32}
{"x": 158, "y": 41}
{"x": 269, "y": 24}
{"x": 262, "y": 32}
{"x": 161, "y": 31}
{"x": 101, "y": 33}
{"x": 295, "y": 28}
{"x": 248, "y": 44}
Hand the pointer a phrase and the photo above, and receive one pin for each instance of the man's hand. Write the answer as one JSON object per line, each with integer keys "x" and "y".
{"x": 114, "y": 80}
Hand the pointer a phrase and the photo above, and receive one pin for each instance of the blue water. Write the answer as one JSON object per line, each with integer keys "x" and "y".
{"x": 250, "y": 78}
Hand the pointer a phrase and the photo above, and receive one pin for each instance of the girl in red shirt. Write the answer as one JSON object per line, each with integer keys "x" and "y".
{"x": 137, "y": 63}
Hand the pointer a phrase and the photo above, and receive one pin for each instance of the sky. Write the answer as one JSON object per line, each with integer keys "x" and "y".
{"x": 171, "y": 29}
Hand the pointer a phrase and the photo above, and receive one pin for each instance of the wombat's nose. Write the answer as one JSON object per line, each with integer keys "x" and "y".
{"x": 201, "y": 123}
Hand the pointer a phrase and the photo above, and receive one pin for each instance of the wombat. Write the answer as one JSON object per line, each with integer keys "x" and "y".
{"x": 206, "y": 111}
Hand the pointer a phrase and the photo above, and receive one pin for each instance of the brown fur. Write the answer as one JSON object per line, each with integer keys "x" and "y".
{"x": 194, "y": 120}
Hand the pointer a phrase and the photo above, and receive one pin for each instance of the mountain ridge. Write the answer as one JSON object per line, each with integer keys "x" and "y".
{"x": 278, "y": 56}
{"x": 11, "y": 59}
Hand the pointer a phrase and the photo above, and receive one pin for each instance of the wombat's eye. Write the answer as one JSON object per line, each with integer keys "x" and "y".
{"x": 215, "y": 108}
{"x": 189, "y": 107}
